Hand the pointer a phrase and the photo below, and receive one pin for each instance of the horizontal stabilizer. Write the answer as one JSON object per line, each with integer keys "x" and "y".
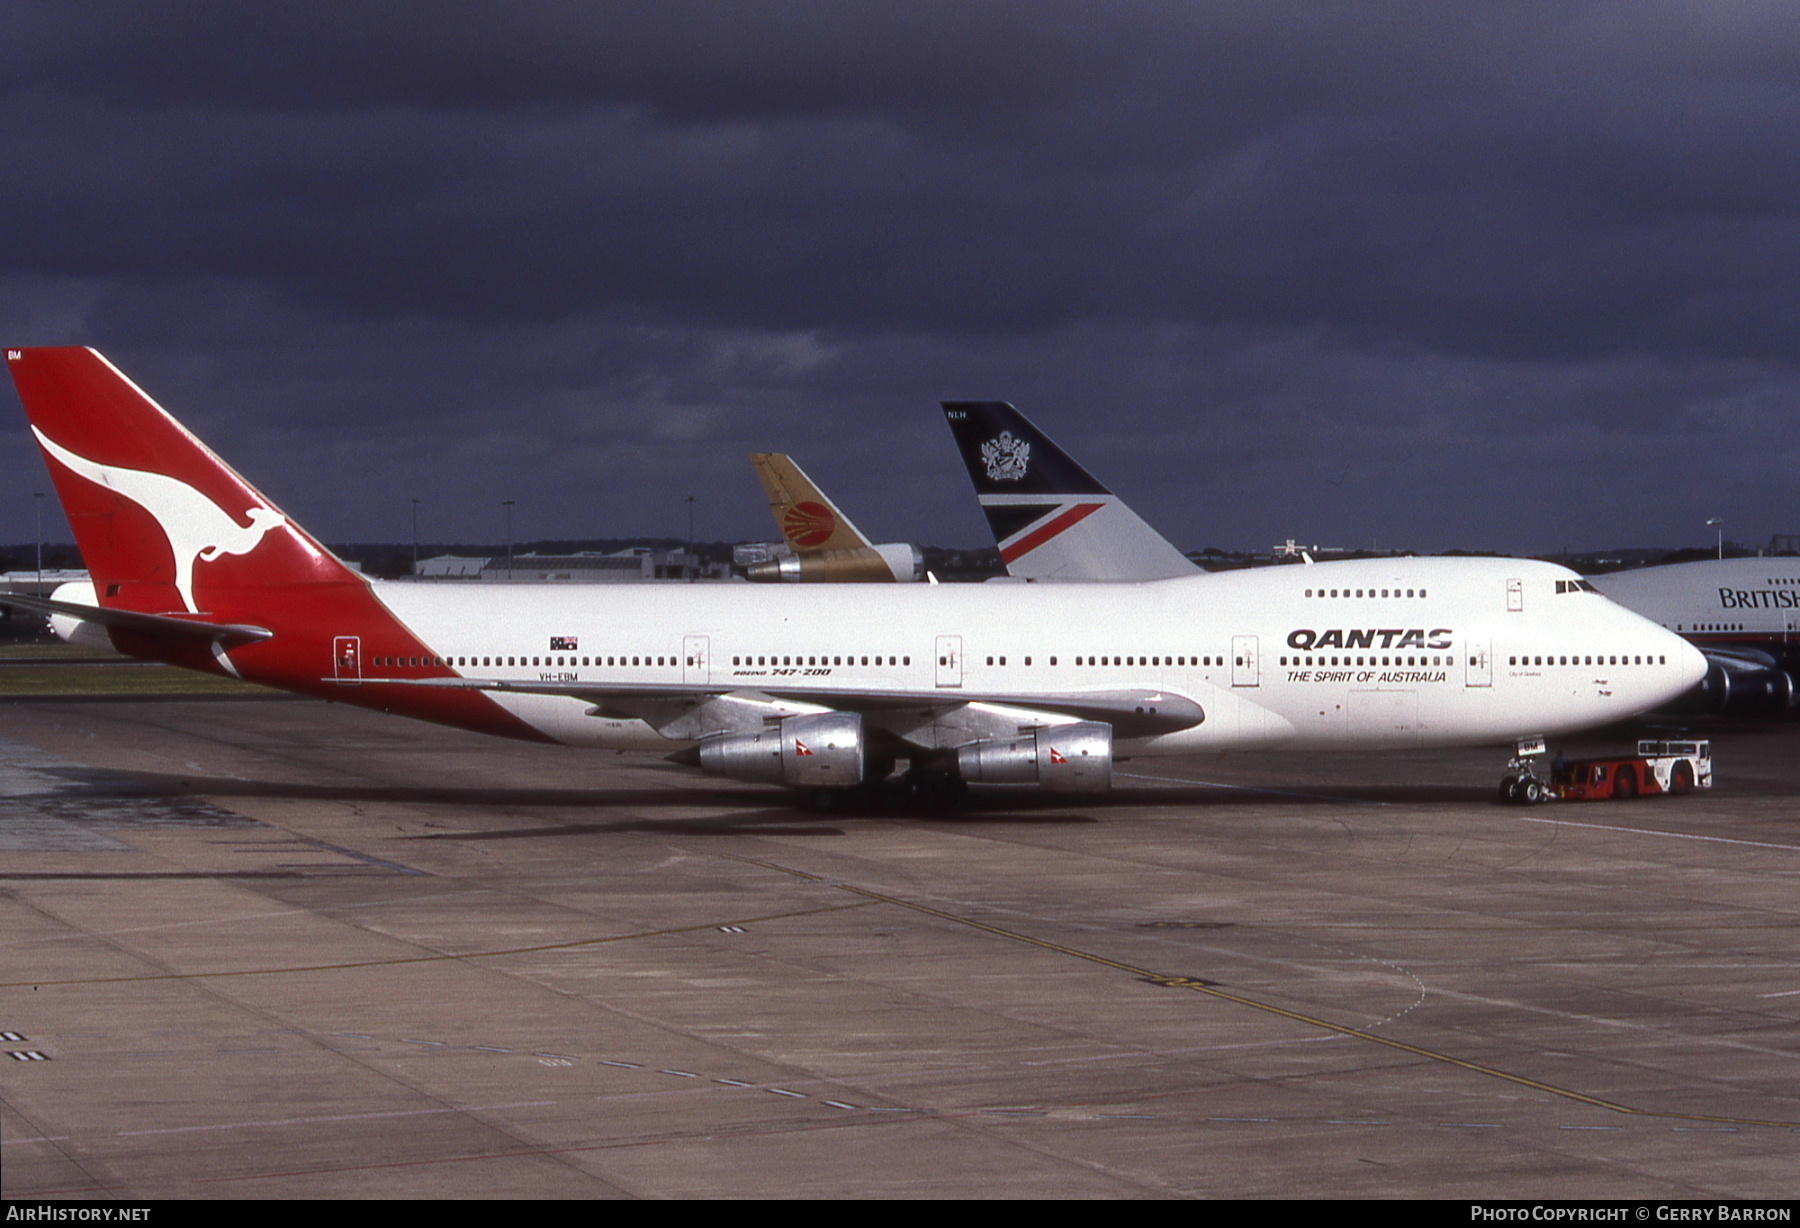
{"x": 166, "y": 626}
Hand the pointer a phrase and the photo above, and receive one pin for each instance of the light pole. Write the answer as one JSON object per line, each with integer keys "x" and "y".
{"x": 415, "y": 504}
{"x": 508, "y": 505}
{"x": 37, "y": 501}
{"x": 1719, "y": 523}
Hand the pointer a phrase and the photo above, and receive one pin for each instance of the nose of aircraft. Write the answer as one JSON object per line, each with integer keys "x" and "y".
{"x": 1687, "y": 665}
{"x": 1690, "y": 662}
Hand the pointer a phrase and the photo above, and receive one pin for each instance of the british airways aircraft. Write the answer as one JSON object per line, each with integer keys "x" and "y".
{"x": 1744, "y": 614}
{"x": 829, "y": 687}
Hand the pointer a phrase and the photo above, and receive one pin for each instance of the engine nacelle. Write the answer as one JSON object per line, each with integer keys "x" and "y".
{"x": 1741, "y": 688}
{"x": 822, "y": 750}
{"x": 1075, "y": 758}
{"x": 73, "y": 630}
{"x": 905, "y": 560}
{"x": 1766, "y": 692}
{"x": 884, "y": 564}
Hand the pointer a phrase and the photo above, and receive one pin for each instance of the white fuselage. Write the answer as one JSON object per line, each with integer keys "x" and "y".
{"x": 1716, "y": 600}
{"x": 1375, "y": 653}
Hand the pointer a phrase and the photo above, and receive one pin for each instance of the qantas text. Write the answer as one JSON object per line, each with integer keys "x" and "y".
{"x": 1307, "y": 640}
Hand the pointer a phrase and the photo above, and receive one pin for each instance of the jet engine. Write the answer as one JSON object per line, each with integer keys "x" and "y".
{"x": 1074, "y": 758}
{"x": 1742, "y": 683}
{"x": 73, "y": 630}
{"x": 884, "y": 564}
{"x": 821, "y": 750}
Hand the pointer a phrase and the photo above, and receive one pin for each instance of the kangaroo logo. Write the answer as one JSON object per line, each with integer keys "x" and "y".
{"x": 197, "y": 528}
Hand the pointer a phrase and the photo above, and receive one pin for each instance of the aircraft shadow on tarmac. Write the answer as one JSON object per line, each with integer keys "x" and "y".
{"x": 750, "y": 809}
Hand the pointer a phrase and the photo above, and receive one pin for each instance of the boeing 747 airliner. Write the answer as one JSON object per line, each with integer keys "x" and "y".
{"x": 826, "y": 687}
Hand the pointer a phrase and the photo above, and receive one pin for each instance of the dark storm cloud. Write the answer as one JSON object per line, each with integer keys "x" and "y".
{"x": 1485, "y": 182}
{"x": 690, "y": 61}
{"x": 1395, "y": 264}
{"x": 1464, "y": 179}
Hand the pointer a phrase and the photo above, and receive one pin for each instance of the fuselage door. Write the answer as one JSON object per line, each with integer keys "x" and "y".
{"x": 1479, "y": 663}
{"x": 949, "y": 660}
{"x": 346, "y": 659}
{"x": 694, "y": 660}
{"x": 1515, "y": 596}
{"x": 1244, "y": 668}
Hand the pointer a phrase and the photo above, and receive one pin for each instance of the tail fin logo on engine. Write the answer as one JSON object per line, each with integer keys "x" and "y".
{"x": 1006, "y": 458}
{"x": 197, "y": 528}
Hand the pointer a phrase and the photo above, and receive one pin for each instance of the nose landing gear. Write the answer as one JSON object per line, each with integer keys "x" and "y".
{"x": 1522, "y": 786}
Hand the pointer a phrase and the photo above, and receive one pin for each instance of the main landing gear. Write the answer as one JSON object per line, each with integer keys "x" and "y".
{"x": 1522, "y": 786}
{"x": 931, "y": 787}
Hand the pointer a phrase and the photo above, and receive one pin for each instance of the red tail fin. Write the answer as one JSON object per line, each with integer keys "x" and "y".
{"x": 174, "y": 537}
{"x": 164, "y": 525}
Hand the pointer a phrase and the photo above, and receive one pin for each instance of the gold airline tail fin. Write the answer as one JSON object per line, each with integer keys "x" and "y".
{"x": 809, "y": 521}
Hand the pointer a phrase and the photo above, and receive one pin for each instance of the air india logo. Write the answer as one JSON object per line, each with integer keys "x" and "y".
{"x": 1005, "y": 458}
{"x": 808, "y": 524}
{"x": 197, "y": 528}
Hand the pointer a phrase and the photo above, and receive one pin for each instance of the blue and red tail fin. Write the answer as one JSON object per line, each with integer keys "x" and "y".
{"x": 1052, "y": 519}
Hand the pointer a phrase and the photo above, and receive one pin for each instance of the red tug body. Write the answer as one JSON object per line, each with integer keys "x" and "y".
{"x": 1658, "y": 767}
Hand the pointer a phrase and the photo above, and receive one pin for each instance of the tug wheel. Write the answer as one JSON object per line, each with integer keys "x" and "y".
{"x": 1681, "y": 780}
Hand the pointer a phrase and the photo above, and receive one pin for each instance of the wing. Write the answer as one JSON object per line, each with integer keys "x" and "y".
{"x": 674, "y": 705}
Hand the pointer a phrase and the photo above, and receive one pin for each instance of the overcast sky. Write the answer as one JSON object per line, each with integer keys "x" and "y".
{"x": 1506, "y": 276}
